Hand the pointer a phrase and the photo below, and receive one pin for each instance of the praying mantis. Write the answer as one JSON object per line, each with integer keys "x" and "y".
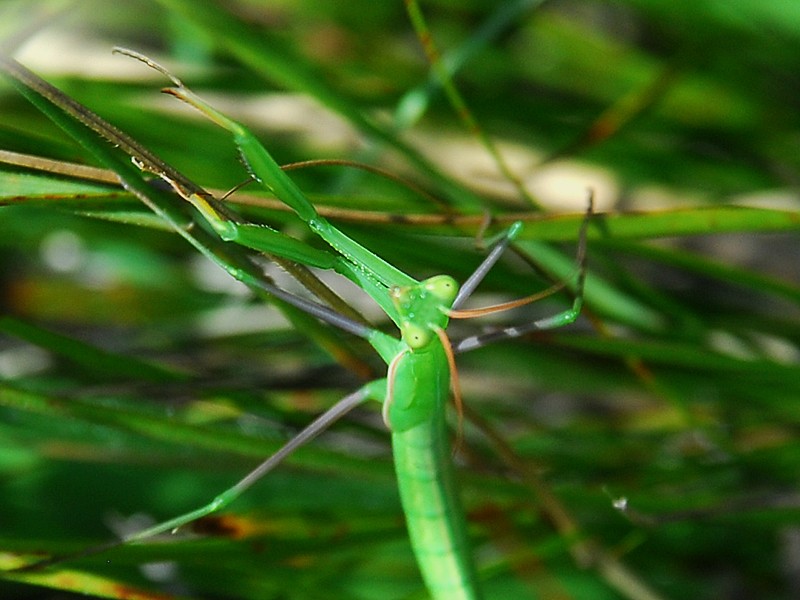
{"x": 421, "y": 369}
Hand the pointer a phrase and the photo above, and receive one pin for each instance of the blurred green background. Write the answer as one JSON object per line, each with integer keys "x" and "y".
{"x": 649, "y": 451}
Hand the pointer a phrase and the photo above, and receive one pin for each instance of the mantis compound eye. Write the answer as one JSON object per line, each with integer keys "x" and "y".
{"x": 415, "y": 336}
{"x": 443, "y": 287}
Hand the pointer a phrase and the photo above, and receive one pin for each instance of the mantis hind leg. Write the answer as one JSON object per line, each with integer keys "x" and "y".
{"x": 373, "y": 390}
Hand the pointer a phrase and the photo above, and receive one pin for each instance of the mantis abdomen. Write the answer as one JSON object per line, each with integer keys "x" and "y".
{"x": 433, "y": 513}
{"x": 423, "y": 464}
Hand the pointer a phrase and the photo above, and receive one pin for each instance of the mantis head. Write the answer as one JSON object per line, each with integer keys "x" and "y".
{"x": 423, "y": 308}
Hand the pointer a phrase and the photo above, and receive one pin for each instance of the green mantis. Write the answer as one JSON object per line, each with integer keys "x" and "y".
{"x": 420, "y": 364}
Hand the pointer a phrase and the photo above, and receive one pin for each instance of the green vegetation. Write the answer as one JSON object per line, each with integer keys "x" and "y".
{"x": 645, "y": 452}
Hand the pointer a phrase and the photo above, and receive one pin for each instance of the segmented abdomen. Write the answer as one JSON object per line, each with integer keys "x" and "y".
{"x": 433, "y": 510}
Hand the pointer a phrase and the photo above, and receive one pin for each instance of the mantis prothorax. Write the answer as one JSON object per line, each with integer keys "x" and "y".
{"x": 420, "y": 364}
